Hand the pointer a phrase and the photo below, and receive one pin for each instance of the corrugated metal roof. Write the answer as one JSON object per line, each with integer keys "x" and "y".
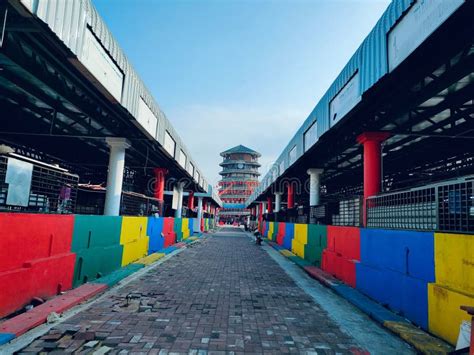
{"x": 371, "y": 62}
{"x": 69, "y": 20}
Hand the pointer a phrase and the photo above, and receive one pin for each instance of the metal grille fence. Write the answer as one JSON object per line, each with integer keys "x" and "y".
{"x": 53, "y": 190}
{"x": 138, "y": 205}
{"x": 445, "y": 206}
{"x": 349, "y": 213}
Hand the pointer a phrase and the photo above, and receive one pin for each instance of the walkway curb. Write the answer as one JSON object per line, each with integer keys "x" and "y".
{"x": 419, "y": 339}
{"x": 20, "y": 324}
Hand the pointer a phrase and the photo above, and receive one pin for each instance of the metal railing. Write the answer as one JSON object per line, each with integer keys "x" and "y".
{"x": 444, "y": 206}
{"x": 52, "y": 189}
{"x": 349, "y": 213}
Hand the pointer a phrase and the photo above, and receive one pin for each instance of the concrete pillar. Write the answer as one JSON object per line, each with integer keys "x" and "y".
{"x": 314, "y": 183}
{"x": 291, "y": 196}
{"x": 372, "y": 142}
{"x": 115, "y": 175}
{"x": 191, "y": 200}
{"x": 269, "y": 204}
{"x": 199, "y": 214}
{"x": 277, "y": 201}
{"x": 160, "y": 187}
{"x": 179, "y": 209}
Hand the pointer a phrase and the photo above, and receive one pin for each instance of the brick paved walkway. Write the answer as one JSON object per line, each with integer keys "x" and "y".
{"x": 223, "y": 294}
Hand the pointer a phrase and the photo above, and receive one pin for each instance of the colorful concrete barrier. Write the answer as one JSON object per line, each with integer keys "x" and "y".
{"x": 403, "y": 294}
{"x": 454, "y": 287}
{"x": 96, "y": 242}
{"x": 454, "y": 257}
{"x": 423, "y": 276}
{"x": 316, "y": 243}
{"x": 35, "y": 258}
{"x": 289, "y": 235}
{"x": 270, "y": 230}
{"x": 445, "y": 315}
{"x": 196, "y": 225}
{"x": 155, "y": 231}
{"x": 407, "y": 252}
{"x": 342, "y": 253}
{"x": 395, "y": 269}
{"x": 299, "y": 240}
{"x": 178, "y": 229}
{"x": 185, "y": 228}
{"x": 134, "y": 239}
{"x": 280, "y": 233}
{"x": 168, "y": 231}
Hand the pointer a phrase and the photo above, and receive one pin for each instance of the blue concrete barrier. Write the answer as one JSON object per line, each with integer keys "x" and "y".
{"x": 154, "y": 230}
{"x": 407, "y": 252}
{"x": 289, "y": 235}
{"x": 401, "y": 293}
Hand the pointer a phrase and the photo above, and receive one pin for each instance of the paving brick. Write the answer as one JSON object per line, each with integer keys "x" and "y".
{"x": 223, "y": 295}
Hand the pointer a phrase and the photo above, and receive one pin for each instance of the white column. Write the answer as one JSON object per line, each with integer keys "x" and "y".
{"x": 277, "y": 201}
{"x": 199, "y": 214}
{"x": 179, "y": 209}
{"x": 264, "y": 208}
{"x": 314, "y": 186}
{"x": 115, "y": 175}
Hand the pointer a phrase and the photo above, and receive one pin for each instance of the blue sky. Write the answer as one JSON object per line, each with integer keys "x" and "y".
{"x": 230, "y": 72}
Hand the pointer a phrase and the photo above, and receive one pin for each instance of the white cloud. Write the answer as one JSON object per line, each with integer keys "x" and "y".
{"x": 208, "y": 130}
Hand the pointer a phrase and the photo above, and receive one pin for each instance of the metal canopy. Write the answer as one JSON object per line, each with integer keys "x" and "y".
{"x": 427, "y": 104}
{"x": 52, "y": 107}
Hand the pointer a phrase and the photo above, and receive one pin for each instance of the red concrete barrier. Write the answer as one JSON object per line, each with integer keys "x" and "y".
{"x": 340, "y": 267}
{"x": 168, "y": 231}
{"x": 281, "y": 233}
{"x": 344, "y": 241}
{"x": 35, "y": 258}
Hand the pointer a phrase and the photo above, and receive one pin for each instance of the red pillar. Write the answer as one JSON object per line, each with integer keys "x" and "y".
{"x": 191, "y": 200}
{"x": 269, "y": 205}
{"x": 291, "y": 196}
{"x": 372, "y": 163}
{"x": 160, "y": 186}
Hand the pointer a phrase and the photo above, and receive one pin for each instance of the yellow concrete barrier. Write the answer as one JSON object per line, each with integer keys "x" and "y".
{"x": 270, "y": 230}
{"x": 444, "y": 314}
{"x": 134, "y": 239}
{"x": 454, "y": 261}
{"x": 297, "y": 248}
{"x": 301, "y": 233}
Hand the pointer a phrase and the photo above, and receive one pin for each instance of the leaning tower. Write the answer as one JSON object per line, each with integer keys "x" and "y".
{"x": 239, "y": 179}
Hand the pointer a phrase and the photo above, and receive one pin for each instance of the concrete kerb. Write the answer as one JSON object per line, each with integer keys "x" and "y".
{"x": 22, "y": 341}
